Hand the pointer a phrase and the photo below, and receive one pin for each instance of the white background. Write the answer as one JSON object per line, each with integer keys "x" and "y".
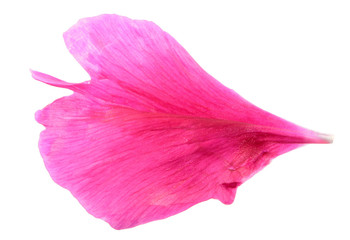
{"x": 288, "y": 57}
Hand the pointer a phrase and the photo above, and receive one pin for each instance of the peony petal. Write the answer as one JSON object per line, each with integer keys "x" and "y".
{"x": 142, "y": 67}
{"x": 152, "y": 133}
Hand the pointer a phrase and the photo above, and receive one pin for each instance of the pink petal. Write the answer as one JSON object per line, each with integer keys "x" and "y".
{"x": 152, "y": 133}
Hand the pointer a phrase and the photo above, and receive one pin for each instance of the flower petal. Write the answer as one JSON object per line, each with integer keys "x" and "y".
{"x": 152, "y": 133}
{"x": 129, "y": 167}
{"x": 142, "y": 67}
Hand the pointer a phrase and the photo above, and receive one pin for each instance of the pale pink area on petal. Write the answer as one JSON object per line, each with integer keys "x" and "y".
{"x": 142, "y": 67}
{"x": 152, "y": 134}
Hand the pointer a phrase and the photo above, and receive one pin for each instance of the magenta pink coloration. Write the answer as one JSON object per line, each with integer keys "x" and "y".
{"x": 151, "y": 134}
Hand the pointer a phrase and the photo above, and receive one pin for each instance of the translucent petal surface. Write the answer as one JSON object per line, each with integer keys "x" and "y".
{"x": 152, "y": 134}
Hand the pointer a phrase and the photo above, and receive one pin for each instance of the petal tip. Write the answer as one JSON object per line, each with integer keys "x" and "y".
{"x": 50, "y": 80}
{"x": 38, "y": 116}
{"x": 326, "y": 138}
